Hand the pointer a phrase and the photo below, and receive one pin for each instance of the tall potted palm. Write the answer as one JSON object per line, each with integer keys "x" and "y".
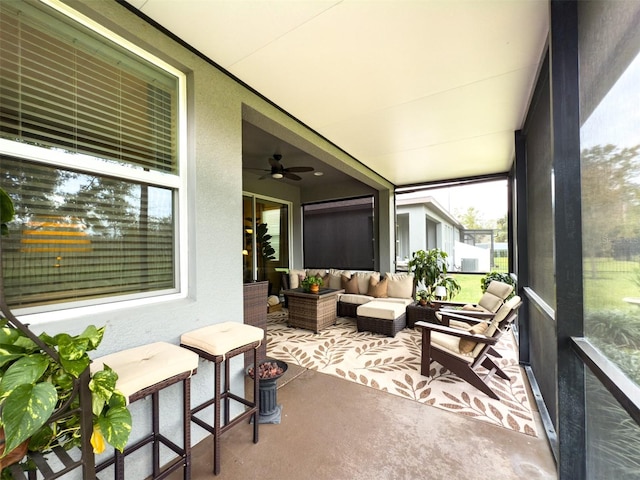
{"x": 430, "y": 271}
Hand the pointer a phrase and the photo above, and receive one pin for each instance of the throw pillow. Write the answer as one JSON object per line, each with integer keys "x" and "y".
{"x": 400, "y": 285}
{"x": 317, "y": 272}
{"x": 294, "y": 278}
{"x": 350, "y": 285}
{"x": 377, "y": 289}
{"x": 363, "y": 280}
{"x": 466, "y": 346}
{"x": 334, "y": 281}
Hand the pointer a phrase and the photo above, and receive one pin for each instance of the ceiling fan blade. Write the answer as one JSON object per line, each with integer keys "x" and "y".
{"x": 299, "y": 169}
{"x": 266, "y": 175}
{"x": 291, "y": 176}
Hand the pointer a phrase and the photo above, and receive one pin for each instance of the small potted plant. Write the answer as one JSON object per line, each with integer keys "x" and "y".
{"x": 422, "y": 297}
{"x": 312, "y": 283}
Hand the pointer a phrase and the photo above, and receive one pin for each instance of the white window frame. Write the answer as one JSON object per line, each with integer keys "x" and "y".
{"x": 91, "y": 165}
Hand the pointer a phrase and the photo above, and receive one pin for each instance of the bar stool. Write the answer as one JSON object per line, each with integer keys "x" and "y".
{"x": 144, "y": 371}
{"x": 218, "y": 343}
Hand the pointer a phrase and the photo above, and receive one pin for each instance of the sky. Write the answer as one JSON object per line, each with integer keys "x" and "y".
{"x": 489, "y": 198}
{"x": 616, "y": 120}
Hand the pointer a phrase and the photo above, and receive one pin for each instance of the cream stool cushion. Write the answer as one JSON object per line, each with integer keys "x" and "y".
{"x": 221, "y": 338}
{"x": 141, "y": 367}
{"x": 382, "y": 310}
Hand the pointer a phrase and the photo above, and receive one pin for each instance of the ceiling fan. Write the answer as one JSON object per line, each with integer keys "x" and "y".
{"x": 278, "y": 170}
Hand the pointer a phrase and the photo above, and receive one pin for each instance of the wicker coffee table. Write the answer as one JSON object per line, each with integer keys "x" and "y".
{"x": 313, "y": 311}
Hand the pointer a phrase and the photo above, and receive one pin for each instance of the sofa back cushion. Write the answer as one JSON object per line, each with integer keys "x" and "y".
{"x": 335, "y": 278}
{"x": 399, "y": 285}
{"x": 295, "y": 276}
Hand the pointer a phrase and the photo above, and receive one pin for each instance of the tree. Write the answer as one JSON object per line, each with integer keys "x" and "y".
{"x": 472, "y": 219}
{"x": 501, "y": 234}
{"x": 611, "y": 199}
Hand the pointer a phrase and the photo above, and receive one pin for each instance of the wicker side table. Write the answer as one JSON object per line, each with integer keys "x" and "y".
{"x": 313, "y": 311}
{"x": 419, "y": 313}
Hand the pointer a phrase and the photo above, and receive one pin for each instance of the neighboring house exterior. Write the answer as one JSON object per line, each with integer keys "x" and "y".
{"x": 423, "y": 224}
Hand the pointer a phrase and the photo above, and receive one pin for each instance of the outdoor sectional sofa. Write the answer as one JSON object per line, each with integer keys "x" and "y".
{"x": 378, "y": 303}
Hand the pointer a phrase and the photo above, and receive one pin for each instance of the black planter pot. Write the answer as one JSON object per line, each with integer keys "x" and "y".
{"x": 269, "y": 410}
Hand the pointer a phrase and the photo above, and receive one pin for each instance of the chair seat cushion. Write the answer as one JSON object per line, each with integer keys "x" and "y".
{"x": 144, "y": 366}
{"x": 450, "y": 344}
{"x": 221, "y": 338}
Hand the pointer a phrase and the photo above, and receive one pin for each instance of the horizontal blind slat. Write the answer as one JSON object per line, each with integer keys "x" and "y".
{"x": 77, "y": 103}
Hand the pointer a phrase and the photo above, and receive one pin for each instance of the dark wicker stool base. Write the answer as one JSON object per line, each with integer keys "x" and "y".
{"x": 347, "y": 309}
{"x": 380, "y": 325}
{"x": 223, "y": 395}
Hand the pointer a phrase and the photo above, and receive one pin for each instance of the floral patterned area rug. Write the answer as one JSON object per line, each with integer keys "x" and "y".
{"x": 393, "y": 365}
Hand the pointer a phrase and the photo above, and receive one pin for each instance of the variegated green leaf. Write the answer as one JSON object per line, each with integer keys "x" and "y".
{"x": 26, "y": 370}
{"x": 93, "y": 335}
{"x": 25, "y": 410}
{"x": 102, "y": 384}
{"x": 75, "y": 367}
{"x": 72, "y": 348}
{"x": 116, "y": 426}
{"x": 6, "y": 208}
{"x": 8, "y": 336}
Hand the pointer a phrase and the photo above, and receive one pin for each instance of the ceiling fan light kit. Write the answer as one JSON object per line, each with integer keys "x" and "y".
{"x": 278, "y": 171}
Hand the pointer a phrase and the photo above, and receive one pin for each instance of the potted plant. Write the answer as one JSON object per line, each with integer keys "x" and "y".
{"x": 39, "y": 382}
{"x": 430, "y": 271}
{"x": 422, "y": 297}
{"x": 312, "y": 283}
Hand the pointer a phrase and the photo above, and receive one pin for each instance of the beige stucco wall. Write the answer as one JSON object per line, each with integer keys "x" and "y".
{"x": 216, "y": 107}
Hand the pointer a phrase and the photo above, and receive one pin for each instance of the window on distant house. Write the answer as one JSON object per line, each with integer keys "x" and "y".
{"x": 89, "y": 153}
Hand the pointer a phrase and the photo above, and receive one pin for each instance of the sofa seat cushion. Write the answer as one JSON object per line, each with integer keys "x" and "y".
{"x": 382, "y": 310}
{"x": 355, "y": 299}
{"x": 402, "y": 301}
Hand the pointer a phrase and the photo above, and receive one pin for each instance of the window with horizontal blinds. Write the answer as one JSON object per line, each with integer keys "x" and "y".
{"x": 80, "y": 236}
{"x": 62, "y": 86}
{"x": 89, "y": 153}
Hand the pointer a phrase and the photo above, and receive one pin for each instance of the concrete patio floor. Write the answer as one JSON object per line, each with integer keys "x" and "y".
{"x": 336, "y": 429}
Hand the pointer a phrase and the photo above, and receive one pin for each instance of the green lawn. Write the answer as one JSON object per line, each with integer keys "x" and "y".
{"x": 606, "y": 283}
{"x": 470, "y": 284}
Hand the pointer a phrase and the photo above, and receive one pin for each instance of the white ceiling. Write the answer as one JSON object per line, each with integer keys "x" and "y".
{"x": 417, "y": 90}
